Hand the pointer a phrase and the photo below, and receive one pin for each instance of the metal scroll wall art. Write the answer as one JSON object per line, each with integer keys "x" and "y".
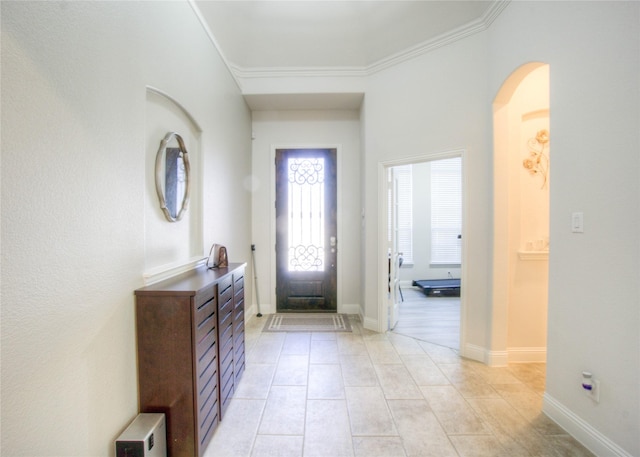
{"x": 537, "y": 163}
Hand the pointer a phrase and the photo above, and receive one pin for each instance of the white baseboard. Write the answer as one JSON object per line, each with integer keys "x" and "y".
{"x": 267, "y": 308}
{"x": 473, "y": 352}
{"x": 582, "y": 431}
{"x": 527, "y": 355}
{"x": 252, "y": 310}
{"x": 369, "y": 324}
{"x": 349, "y": 309}
{"x": 503, "y": 358}
{"x": 490, "y": 358}
{"x": 497, "y": 358}
{"x": 515, "y": 355}
{"x": 249, "y": 313}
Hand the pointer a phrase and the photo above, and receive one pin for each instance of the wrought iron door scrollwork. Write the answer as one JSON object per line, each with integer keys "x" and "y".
{"x": 306, "y": 258}
{"x": 306, "y": 171}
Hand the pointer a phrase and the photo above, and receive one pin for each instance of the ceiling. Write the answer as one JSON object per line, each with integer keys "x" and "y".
{"x": 346, "y": 34}
{"x": 334, "y": 35}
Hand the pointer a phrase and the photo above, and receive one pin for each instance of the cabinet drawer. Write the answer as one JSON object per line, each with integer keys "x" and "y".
{"x": 205, "y": 318}
{"x": 226, "y": 384}
{"x": 239, "y": 369}
{"x": 207, "y": 423}
{"x": 225, "y": 306}
{"x": 207, "y": 389}
{"x": 206, "y": 348}
{"x": 226, "y": 374}
{"x": 238, "y": 358}
{"x": 238, "y": 313}
{"x": 226, "y": 351}
{"x": 238, "y": 333}
{"x": 238, "y": 285}
{"x": 238, "y": 339}
{"x": 224, "y": 289}
{"x": 225, "y": 324}
{"x": 205, "y": 295}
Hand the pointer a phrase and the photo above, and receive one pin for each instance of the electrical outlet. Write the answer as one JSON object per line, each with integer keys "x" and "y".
{"x": 594, "y": 392}
{"x": 590, "y": 386}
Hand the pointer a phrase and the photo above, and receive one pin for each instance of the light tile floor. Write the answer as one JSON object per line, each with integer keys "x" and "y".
{"x": 381, "y": 395}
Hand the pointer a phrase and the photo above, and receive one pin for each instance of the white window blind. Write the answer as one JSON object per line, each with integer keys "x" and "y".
{"x": 404, "y": 175}
{"x": 446, "y": 211}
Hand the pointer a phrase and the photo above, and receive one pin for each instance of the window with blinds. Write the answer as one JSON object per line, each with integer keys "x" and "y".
{"x": 446, "y": 211}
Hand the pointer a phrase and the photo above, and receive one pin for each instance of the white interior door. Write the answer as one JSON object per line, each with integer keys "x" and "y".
{"x": 394, "y": 256}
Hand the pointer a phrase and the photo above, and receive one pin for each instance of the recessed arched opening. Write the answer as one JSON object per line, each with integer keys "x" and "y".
{"x": 521, "y": 217}
{"x": 171, "y": 248}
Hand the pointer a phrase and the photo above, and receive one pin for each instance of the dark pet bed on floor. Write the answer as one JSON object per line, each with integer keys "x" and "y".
{"x": 439, "y": 287}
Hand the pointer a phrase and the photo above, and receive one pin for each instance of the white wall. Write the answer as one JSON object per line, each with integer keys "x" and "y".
{"x": 433, "y": 104}
{"x": 341, "y": 129}
{"x": 594, "y": 320}
{"x": 73, "y": 203}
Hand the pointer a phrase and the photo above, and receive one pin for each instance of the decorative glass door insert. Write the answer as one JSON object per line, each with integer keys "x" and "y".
{"x": 306, "y": 217}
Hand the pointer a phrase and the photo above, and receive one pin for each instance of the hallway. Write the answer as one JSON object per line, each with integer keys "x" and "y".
{"x": 387, "y": 395}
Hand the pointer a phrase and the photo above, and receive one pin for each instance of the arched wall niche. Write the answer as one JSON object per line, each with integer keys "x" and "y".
{"x": 171, "y": 247}
{"x": 511, "y": 84}
{"x": 521, "y": 220}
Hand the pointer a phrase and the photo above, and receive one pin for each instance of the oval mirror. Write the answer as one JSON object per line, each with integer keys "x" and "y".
{"x": 172, "y": 176}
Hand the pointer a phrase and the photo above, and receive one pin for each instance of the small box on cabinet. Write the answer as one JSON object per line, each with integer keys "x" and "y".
{"x": 146, "y": 436}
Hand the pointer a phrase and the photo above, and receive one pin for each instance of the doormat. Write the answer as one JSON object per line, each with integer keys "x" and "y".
{"x": 304, "y": 322}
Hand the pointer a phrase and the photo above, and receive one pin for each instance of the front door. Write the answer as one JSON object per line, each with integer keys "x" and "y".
{"x": 306, "y": 243}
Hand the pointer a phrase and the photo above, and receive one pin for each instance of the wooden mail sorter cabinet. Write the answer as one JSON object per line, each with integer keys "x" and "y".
{"x": 190, "y": 334}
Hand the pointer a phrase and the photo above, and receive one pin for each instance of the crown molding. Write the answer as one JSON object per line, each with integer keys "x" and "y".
{"x": 425, "y": 47}
{"x": 471, "y": 28}
{"x": 298, "y": 72}
{"x": 212, "y": 38}
{"x": 494, "y": 11}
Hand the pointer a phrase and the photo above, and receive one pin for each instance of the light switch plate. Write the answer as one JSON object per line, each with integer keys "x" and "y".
{"x": 577, "y": 222}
